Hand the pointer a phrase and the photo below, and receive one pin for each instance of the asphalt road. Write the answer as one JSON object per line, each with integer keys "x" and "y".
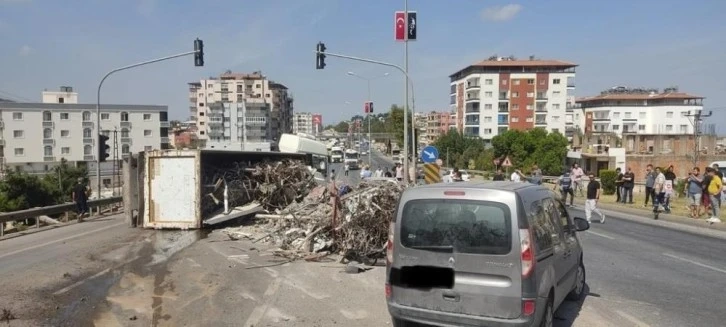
{"x": 378, "y": 159}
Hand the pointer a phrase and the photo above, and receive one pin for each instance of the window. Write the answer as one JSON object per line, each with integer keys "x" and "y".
{"x": 87, "y": 150}
{"x": 147, "y": 116}
{"x": 515, "y": 119}
{"x": 17, "y": 116}
{"x": 641, "y": 128}
{"x": 124, "y": 132}
{"x": 61, "y": 100}
{"x": 555, "y": 106}
{"x": 19, "y": 152}
{"x": 488, "y": 81}
{"x": 487, "y": 131}
{"x": 529, "y": 119}
{"x": 488, "y": 106}
{"x": 616, "y": 127}
{"x": 684, "y": 129}
{"x": 64, "y": 116}
{"x": 515, "y": 106}
{"x": 18, "y": 134}
{"x": 543, "y": 230}
{"x": 65, "y": 150}
{"x": 488, "y": 119}
{"x": 515, "y": 82}
{"x": 616, "y": 114}
{"x": 556, "y": 93}
{"x": 47, "y": 116}
{"x": 47, "y": 133}
{"x": 684, "y": 113}
{"x": 504, "y": 82}
{"x": 628, "y": 114}
{"x": 556, "y": 81}
{"x": 641, "y": 115}
{"x": 530, "y": 81}
{"x": 555, "y": 118}
{"x": 542, "y": 82}
{"x": 86, "y": 116}
{"x": 530, "y": 94}
{"x": 124, "y": 116}
{"x": 669, "y": 128}
{"x": 125, "y": 149}
{"x": 669, "y": 114}
{"x": 105, "y": 116}
{"x": 87, "y": 133}
{"x": 148, "y": 148}
{"x": 515, "y": 94}
{"x": 65, "y": 133}
{"x": 530, "y": 107}
{"x": 147, "y": 133}
{"x": 479, "y": 227}
{"x": 48, "y": 151}
{"x": 488, "y": 94}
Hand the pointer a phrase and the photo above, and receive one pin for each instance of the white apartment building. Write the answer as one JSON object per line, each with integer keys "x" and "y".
{"x": 36, "y": 136}
{"x": 302, "y": 122}
{"x": 238, "y": 126}
{"x": 253, "y": 89}
{"x": 498, "y": 94}
{"x": 642, "y": 111}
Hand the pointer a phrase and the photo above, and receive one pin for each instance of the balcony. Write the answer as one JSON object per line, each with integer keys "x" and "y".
{"x": 48, "y": 158}
{"x": 125, "y": 124}
{"x": 472, "y": 85}
{"x": 48, "y": 124}
{"x": 193, "y": 100}
{"x": 472, "y": 98}
{"x": 165, "y": 140}
{"x": 89, "y": 158}
{"x": 126, "y": 140}
{"x": 540, "y": 122}
{"x": 87, "y": 140}
{"x": 541, "y": 97}
{"x": 504, "y": 97}
{"x": 571, "y": 84}
{"x": 49, "y": 142}
{"x": 87, "y": 124}
{"x": 164, "y": 124}
{"x": 540, "y": 109}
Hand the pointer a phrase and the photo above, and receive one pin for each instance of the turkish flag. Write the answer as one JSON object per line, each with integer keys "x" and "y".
{"x": 400, "y": 21}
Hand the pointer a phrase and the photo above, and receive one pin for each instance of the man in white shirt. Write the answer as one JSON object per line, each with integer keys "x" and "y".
{"x": 577, "y": 174}
{"x": 379, "y": 172}
{"x": 399, "y": 172}
{"x": 516, "y": 176}
{"x": 659, "y": 189}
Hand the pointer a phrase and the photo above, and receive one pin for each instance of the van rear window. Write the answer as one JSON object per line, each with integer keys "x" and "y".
{"x": 465, "y": 226}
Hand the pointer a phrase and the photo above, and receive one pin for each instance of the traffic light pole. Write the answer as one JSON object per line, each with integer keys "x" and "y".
{"x": 98, "y": 103}
{"x": 405, "y": 113}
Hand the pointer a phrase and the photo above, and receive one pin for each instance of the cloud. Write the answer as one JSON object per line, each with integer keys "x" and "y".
{"x": 25, "y": 50}
{"x": 501, "y": 13}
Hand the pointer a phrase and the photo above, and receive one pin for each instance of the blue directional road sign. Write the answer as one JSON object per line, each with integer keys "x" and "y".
{"x": 429, "y": 154}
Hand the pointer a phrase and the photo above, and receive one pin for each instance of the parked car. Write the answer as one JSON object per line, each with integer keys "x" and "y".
{"x": 482, "y": 254}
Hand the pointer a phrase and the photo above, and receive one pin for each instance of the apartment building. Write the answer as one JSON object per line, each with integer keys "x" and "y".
{"x": 240, "y": 126}
{"x": 438, "y": 123}
{"x": 498, "y": 94}
{"x": 36, "y": 136}
{"x": 307, "y": 123}
{"x": 254, "y": 90}
{"x": 621, "y": 110}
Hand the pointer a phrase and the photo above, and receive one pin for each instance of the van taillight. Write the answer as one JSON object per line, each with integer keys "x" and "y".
{"x": 389, "y": 244}
{"x": 528, "y": 307}
{"x": 527, "y": 252}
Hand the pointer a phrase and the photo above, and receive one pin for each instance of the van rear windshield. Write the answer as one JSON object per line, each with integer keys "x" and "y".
{"x": 477, "y": 227}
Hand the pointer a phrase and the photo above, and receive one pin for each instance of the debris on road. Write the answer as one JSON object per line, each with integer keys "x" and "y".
{"x": 306, "y": 226}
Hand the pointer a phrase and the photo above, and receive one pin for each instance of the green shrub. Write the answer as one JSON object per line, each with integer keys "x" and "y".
{"x": 680, "y": 187}
{"x": 607, "y": 181}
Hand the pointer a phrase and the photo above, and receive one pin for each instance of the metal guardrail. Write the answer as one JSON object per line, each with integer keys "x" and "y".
{"x": 51, "y": 210}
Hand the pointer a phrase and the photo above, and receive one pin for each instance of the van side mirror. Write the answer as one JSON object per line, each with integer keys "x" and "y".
{"x": 581, "y": 224}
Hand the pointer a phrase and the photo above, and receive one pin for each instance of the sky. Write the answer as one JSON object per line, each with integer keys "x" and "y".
{"x": 45, "y": 44}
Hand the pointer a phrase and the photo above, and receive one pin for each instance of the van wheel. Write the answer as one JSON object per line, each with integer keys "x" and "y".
{"x": 579, "y": 290}
{"x": 549, "y": 315}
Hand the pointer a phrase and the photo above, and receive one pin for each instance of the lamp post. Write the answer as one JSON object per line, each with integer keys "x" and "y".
{"x": 368, "y": 84}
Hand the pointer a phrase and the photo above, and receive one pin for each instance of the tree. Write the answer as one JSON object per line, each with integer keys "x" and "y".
{"x": 19, "y": 191}
{"x": 462, "y": 150}
{"x": 536, "y": 146}
{"x": 61, "y": 180}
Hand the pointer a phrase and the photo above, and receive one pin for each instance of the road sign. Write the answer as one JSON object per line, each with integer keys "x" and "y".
{"x": 431, "y": 173}
{"x": 507, "y": 162}
{"x": 429, "y": 154}
{"x": 439, "y": 162}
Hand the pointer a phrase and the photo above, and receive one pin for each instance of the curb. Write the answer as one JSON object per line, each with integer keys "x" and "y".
{"x": 700, "y": 227}
{"x": 49, "y": 227}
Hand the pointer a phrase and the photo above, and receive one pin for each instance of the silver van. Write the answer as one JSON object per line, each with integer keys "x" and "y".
{"x": 482, "y": 254}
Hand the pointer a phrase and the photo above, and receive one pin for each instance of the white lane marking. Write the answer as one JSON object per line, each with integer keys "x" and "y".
{"x": 695, "y": 263}
{"x": 78, "y": 283}
{"x": 636, "y": 321}
{"x": 259, "y": 312}
{"x": 601, "y": 235}
{"x": 60, "y": 240}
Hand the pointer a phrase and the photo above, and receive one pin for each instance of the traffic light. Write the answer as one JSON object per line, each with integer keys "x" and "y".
{"x": 102, "y": 148}
{"x": 320, "y": 56}
{"x": 198, "y": 53}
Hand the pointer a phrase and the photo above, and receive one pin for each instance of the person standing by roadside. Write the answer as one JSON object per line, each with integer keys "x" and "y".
{"x": 565, "y": 184}
{"x": 705, "y": 198}
{"x": 399, "y": 172}
{"x": 499, "y": 175}
{"x": 670, "y": 177}
{"x": 619, "y": 186}
{"x": 714, "y": 192}
{"x": 649, "y": 182}
{"x": 628, "y": 185}
{"x": 516, "y": 176}
{"x": 694, "y": 190}
{"x": 659, "y": 190}
{"x": 723, "y": 191}
{"x": 80, "y": 197}
{"x": 577, "y": 174}
{"x": 593, "y": 196}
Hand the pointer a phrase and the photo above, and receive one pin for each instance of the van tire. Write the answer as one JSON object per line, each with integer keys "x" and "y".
{"x": 548, "y": 317}
{"x": 578, "y": 291}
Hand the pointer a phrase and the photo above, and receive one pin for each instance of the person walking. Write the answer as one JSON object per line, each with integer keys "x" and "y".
{"x": 714, "y": 192}
{"x": 628, "y": 185}
{"x": 593, "y": 196}
{"x": 577, "y": 174}
{"x": 347, "y": 169}
{"x": 80, "y": 197}
{"x": 649, "y": 182}
{"x": 565, "y": 184}
{"x": 694, "y": 190}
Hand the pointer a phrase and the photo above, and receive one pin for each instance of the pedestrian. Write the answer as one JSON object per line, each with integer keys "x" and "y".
{"x": 387, "y": 173}
{"x": 718, "y": 173}
{"x": 565, "y": 184}
{"x": 577, "y": 174}
{"x": 536, "y": 175}
{"x": 399, "y": 172}
{"x": 618, "y": 185}
{"x": 516, "y": 176}
{"x": 80, "y": 197}
{"x": 379, "y": 172}
{"x": 456, "y": 176}
{"x": 332, "y": 174}
{"x": 628, "y": 185}
{"x": 659, "y": 190}
{"x": 714, "y": 191}
{"x": 694, "y": 191}
{"x": 649, "y": 182}
{"x": 705, "y": 198}
{"x": 498, "y": 176}
{"x": 593, "y": 196}
{"x": 670, "y": 177}
{"x": 347, "y": 169}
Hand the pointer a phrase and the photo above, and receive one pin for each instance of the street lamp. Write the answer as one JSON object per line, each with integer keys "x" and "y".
{"x": 368, "y": 84}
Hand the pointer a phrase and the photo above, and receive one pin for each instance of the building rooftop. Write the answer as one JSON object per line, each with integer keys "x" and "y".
{"x": 524, "y": 63}
{"x": 621, "y": 93}
{"x": 495, "y": 64}
{"x": 80, "y": 106}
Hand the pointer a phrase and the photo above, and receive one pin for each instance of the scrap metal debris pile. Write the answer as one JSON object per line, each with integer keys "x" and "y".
{"x": 272, "y": 184}
{"x": 308, "y": 226}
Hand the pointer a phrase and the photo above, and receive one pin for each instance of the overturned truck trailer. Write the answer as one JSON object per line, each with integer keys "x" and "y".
{"x": 186, "y": 189}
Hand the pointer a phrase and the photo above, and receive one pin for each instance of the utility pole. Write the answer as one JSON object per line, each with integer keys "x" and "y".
{"x": 198, "y": 61}
{"x": 696, "y": 122}
{"x": 405, "y": 108}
